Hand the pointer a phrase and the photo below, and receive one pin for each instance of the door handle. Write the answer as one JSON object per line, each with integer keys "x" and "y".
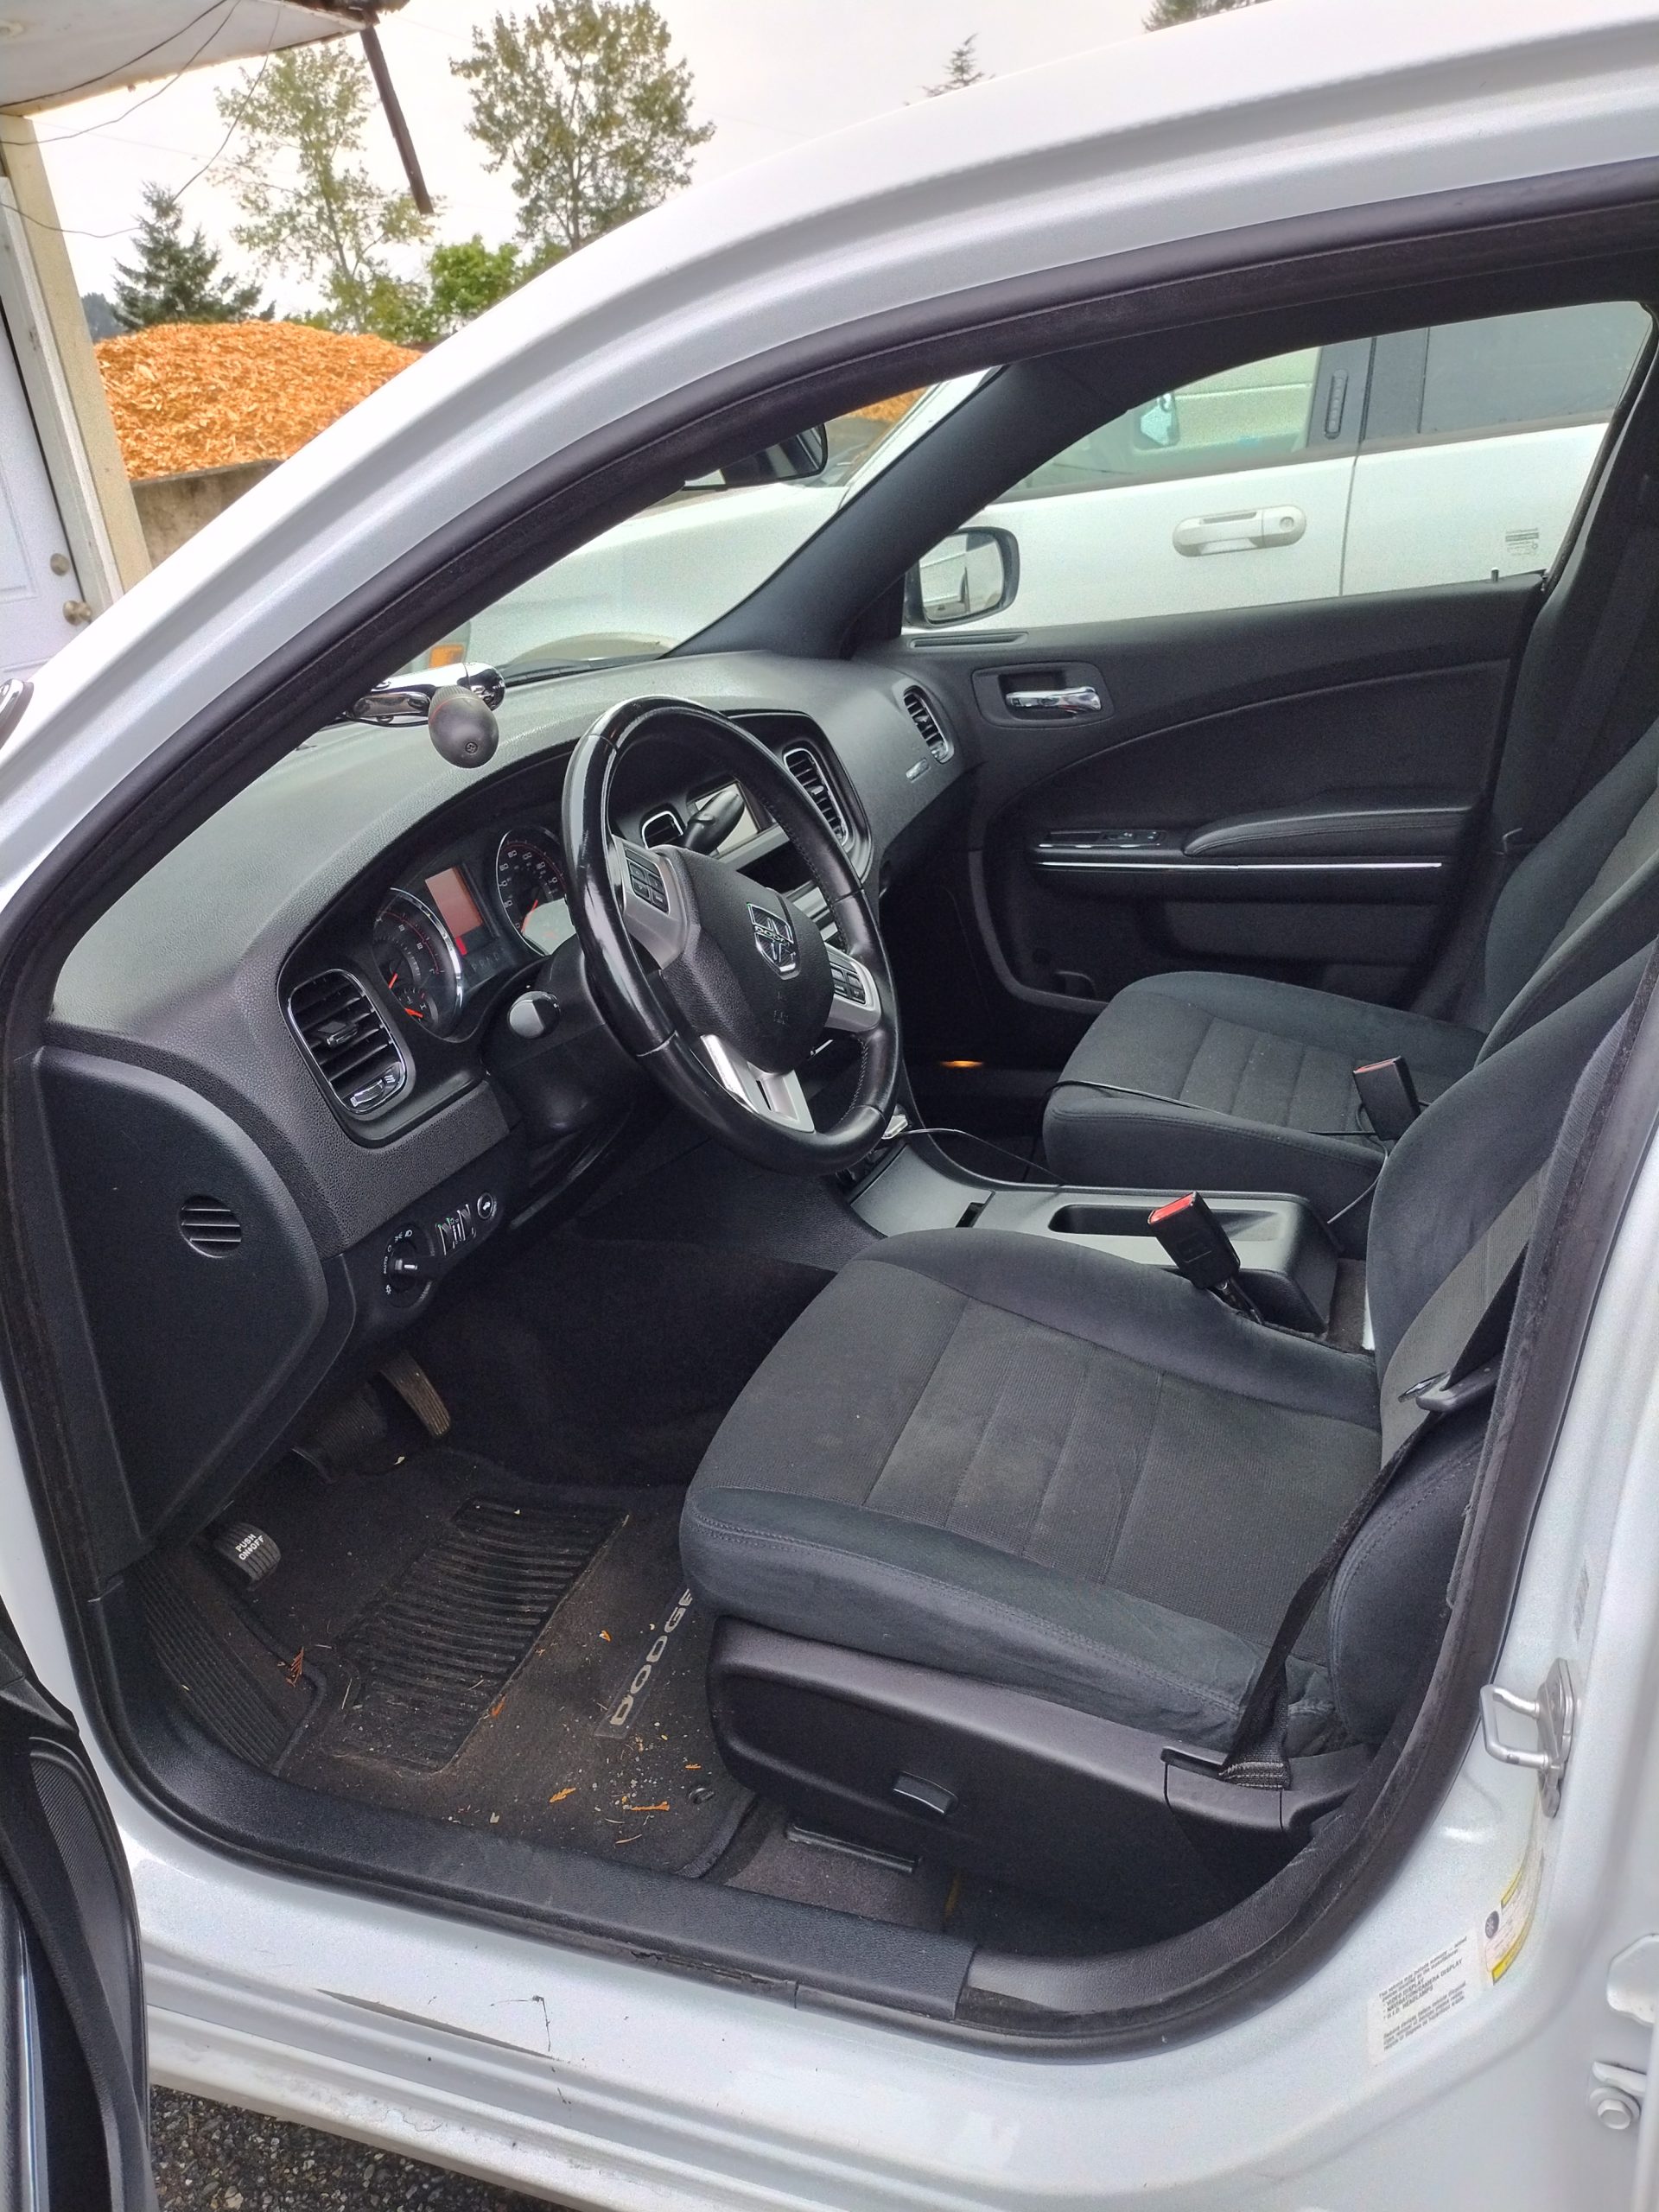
{"x": 1066, "y": 699}
{"x": 1244, "y": 529}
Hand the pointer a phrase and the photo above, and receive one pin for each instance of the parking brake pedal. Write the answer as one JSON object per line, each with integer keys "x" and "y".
{"x": 245, "y": 1555}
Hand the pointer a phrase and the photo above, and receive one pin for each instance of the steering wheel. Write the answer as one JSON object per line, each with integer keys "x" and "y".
{"x": 741, "y": 985}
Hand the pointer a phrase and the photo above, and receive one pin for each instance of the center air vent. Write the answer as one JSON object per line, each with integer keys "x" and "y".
{"x": 208, "y": 1226}
{"x": 354, "y": 1052}
{"x": 919, "y": 708}
{"x": 808, "y": 771}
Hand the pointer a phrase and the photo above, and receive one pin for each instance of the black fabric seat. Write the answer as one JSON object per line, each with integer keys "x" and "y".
{"x": 1247, "y": 1085}
{"x": 1009, "y": 1459}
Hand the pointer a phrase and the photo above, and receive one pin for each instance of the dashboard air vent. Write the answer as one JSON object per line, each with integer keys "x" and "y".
{"x": 919, "y": 708}
{"x": 355, "y": 1052}
{"x": 808, "y": 771}
{"x": 208, "y": 1226}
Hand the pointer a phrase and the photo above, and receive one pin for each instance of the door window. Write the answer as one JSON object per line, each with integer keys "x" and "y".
{"x": 1436, "y": 456}
{"x": 1246, "y": 417}
{"x": 1479, "y": 439}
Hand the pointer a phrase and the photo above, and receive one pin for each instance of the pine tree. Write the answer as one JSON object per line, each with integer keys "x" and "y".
{"x": 175, "y": 279}
{"x": 1164, "y": 13}
{"x": 960, "y": 70}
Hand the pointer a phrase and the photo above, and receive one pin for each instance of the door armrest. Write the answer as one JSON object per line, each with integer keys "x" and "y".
{"x": 1348, "y": 825}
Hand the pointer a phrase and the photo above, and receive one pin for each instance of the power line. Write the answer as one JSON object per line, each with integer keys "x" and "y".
{"x": 87, "y": 129}
{"x": 65, "y": 231}
{"x": 118, "y": 70}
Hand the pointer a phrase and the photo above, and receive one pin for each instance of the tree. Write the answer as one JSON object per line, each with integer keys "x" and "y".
{"x": 310, "y": 203}
{"x": 175, "y": 279}
{"x": 960, "y": 70}
{"x": 101, "y": 316}
{"x": 458, "y": 282}
{"x": 462, "y": 280}
{"x": 1164, "y": 13}
{"x": 579, "y": 100}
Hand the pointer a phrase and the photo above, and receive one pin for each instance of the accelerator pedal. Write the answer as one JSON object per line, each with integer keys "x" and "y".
{"x": 418, "y": 1392}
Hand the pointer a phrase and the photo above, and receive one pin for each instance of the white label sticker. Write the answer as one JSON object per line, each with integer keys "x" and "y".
{"x": 1507, "y": 1926}
{"x": 1429, "y": 1992}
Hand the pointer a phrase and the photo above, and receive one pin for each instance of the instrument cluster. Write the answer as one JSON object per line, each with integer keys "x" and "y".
{"x": 455, "y": 926}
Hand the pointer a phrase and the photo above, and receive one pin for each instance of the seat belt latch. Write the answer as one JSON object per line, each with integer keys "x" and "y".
{"x": 1442, "y": 1395}
{"x": 1200, "y": 1247}
{"x": 1388, "y": 1097}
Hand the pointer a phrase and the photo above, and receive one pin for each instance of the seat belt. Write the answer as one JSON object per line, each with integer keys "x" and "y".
{"x": 1256, "y": 1759}
{"x": 1607, "y": 658}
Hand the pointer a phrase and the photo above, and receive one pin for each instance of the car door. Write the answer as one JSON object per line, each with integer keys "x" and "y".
{"x": 1232, "y": 490}
{"x": 1270, "y": 759}
{"x": 72, "y": 2065}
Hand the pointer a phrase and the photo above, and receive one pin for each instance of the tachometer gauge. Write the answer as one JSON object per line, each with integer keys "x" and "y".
{"x": 529, "y": 884}
{"x": 418, "y": 962}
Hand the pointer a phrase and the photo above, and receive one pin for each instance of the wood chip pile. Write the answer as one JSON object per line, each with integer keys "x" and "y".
{"x": 187, "y": 396}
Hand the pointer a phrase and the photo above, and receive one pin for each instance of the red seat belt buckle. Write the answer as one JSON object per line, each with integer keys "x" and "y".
{"x": 1198, "y": 1245}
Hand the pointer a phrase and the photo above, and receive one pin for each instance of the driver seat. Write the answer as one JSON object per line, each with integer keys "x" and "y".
{"x": 1002, "y": 1529}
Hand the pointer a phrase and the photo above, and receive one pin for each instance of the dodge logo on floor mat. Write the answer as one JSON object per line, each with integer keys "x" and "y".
{"x": 625, "y": 1708}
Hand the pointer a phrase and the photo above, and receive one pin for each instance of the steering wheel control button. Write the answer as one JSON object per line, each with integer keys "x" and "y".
{"x": 850, "y": 984}
{"x": 647, "y": 882}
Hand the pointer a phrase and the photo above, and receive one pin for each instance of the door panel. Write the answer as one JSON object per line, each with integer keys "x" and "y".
{"x": 1288, "y": 791}
{"x": 72, "y": 2064}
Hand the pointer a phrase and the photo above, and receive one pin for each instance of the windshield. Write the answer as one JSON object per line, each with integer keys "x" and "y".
{"x": 649, "y": 583}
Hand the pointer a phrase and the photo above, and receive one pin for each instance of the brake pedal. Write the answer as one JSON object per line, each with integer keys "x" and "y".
{"x": 418, "y": 1392}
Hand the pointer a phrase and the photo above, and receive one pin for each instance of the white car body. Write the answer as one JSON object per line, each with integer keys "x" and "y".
{"x": 603, "y": 2081}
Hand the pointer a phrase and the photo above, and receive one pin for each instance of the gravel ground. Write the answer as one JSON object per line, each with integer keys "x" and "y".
{"x": 215, "y": 2158}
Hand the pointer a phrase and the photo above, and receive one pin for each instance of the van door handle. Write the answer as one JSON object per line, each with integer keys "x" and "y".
{"x": 1244, "y": 529}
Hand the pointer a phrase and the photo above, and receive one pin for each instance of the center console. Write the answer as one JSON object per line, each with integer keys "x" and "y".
{"x": 1289, "y": 1257}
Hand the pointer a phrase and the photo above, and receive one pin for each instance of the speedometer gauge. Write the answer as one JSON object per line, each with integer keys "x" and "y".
{"x": 418, "y": 962}
{"x": 529, "y": 884}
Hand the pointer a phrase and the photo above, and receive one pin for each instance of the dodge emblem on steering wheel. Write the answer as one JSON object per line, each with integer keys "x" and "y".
{"x": 775, "y": 939}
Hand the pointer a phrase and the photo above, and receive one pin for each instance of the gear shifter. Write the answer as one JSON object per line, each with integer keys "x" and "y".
{"x": 713, "y": 820}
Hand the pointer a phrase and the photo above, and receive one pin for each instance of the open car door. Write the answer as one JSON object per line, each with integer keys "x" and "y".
{"x": 72, "y": 2066}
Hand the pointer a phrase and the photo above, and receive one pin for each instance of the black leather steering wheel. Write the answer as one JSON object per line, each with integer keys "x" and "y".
{"x": 742, "y": 985}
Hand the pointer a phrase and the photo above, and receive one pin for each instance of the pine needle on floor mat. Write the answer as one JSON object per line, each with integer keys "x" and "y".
{"x": 436, "y": 1649}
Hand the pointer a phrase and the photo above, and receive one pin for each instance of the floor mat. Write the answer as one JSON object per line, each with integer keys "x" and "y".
{"x": 599, "y": 1737}
{"x": 436, "y": 1650}
{"x": 246, "y": 1692}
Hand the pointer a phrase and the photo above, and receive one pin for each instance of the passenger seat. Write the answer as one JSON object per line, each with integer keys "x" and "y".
{"x": 1242, "y": 1084}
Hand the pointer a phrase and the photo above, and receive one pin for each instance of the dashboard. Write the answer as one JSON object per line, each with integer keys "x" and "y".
{"x": 287, "y": 1078}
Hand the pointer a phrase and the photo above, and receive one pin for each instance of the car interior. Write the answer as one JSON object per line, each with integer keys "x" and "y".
{"x": 826, "y": 1308}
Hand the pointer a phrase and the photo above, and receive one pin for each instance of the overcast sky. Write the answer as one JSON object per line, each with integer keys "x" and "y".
{"x": 768, "y": 73}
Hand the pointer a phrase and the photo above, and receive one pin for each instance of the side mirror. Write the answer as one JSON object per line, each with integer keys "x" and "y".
{"x": 806, "y": 454}
{"x": 1157, "y": 428}
{"x": 971, "y": 572}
